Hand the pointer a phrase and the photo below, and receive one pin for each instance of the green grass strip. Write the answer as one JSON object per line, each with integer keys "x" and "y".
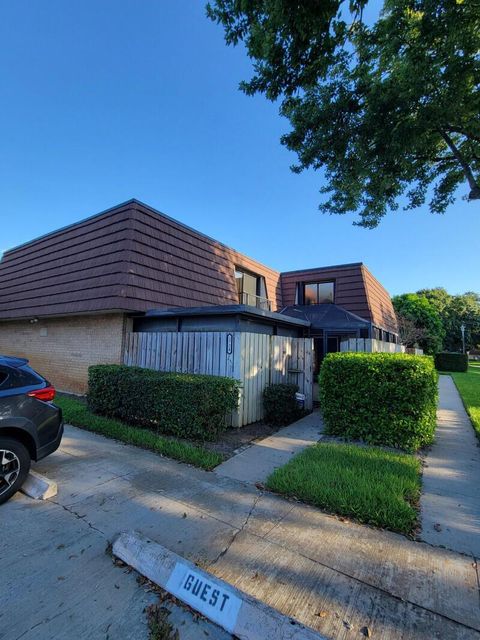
{"x": 368, "y": 484}
{"x": 77, "y": 413}
{"x": 468, "y": 385}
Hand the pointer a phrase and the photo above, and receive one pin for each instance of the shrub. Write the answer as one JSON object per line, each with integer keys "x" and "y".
{"x": 182, "y": 404}
{"x": 280, "y": 405}
{"x": 380, "y": 398}
{"x": 446, "y": 361}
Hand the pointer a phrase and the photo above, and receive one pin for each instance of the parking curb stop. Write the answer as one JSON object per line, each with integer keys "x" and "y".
{"x": 238, "y": 613}
{"x": 39, "y": 487}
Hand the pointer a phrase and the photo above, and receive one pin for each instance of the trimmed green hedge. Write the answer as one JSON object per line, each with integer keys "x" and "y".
{"x": 280, "y": 405}
{"x": 380, "y": 398}
{"x": 446, "y": 361}
{"x": 185, "y": 405}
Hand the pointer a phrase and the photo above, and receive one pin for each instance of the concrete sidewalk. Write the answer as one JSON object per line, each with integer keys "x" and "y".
{"x": 260, "y": 459}
{"x": 336, "y": 577}
{"x": 450, "y": 503}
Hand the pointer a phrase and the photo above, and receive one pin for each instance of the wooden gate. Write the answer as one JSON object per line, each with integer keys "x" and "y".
{"x": 255, "y": 359}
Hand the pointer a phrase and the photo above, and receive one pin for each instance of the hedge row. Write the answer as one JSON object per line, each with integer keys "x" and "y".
{"x": 446, "y": 361}
{"x": 185, "y": 405}
{"x": 380, "y": 398}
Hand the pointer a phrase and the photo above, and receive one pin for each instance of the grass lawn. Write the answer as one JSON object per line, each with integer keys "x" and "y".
{"x": 77, "y": 413}
{"x": 368, "y": 484}
{"x": 468, "y": 385}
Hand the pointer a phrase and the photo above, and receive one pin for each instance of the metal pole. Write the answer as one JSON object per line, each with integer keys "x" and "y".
{"x": 462, "y": 329}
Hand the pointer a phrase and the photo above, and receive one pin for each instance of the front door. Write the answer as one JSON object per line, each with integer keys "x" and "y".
{"x": 333, "y": 344}
{"x": 318, "y": 353}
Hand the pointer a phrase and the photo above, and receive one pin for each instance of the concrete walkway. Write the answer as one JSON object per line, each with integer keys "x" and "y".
{"x": 259, "y": 460}
{"x": 337, "y": 577}
{"x": 450, "y": 503}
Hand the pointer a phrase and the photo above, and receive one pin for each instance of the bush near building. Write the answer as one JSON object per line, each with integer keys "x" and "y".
{"x": 280, "y": 404}
{"x": 185, "y": 405}
{"x": 380, "y": 398}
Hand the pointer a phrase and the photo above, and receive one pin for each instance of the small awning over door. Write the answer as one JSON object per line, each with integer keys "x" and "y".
{"x": 327, "y": 317}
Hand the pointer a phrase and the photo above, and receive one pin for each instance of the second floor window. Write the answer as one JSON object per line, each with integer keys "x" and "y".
{"x": 316, "y": 293}
{"x": 251, "y": 289}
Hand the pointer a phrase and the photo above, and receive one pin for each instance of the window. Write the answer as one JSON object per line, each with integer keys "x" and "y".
{"x": 318, "y": 293}
{"x": 25, "y": 376}
{"x": 246, "y": 283}
{"x": 251, "y": 289}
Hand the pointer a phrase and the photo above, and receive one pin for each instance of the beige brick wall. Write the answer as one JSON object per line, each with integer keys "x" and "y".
{"x": 62, "y": 349}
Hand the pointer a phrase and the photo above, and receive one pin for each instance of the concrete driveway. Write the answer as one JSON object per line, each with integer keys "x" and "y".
{"x": 337, "y": 577}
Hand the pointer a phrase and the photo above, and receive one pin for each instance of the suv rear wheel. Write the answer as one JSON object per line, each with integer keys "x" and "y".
{"x": 14, "y": 467}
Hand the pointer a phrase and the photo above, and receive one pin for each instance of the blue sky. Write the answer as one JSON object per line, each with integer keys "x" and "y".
{"x": 104, "y": 101}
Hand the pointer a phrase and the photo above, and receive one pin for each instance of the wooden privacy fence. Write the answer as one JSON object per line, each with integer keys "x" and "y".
{"x": 371, "y": 345}
{"x": 255, "y": 359}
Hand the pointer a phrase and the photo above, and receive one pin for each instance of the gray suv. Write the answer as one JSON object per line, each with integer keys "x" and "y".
{"x": 31, "y": 427}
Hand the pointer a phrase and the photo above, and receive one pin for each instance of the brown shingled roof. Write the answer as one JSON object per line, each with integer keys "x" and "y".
{"x": 128, "y": 258}
{"x": 133, "y": 258}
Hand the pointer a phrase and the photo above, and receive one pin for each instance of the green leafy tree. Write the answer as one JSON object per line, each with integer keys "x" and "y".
{"x": 415, "y": 309}
{"x": 438, "y": 296}
{"x": 389, "y": 111}
{"x": 454, "y": 311}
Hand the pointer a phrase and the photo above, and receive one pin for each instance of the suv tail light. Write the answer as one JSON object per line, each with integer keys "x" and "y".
{"x": 47, "y": 394}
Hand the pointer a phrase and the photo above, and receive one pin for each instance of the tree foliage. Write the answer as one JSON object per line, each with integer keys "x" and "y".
{"x": 455, "y": 310}
{"x": 432, "y": 318}
{"x": 412, "y": 308}
{"x": 390, "y": 111}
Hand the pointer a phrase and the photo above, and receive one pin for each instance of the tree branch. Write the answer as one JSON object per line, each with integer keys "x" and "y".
{"x": 437, "y": 158}
{"x": 474, "y": 187}
{"x": 462, "y": 132}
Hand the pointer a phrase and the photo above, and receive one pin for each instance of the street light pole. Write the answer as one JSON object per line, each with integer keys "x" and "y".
{"x": 462, "y": 329}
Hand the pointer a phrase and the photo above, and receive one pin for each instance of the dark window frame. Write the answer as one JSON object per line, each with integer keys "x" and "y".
{"x": 301, "y": 287}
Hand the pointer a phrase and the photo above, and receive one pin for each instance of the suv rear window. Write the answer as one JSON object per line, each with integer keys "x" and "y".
{"x": 26, "y": 376}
